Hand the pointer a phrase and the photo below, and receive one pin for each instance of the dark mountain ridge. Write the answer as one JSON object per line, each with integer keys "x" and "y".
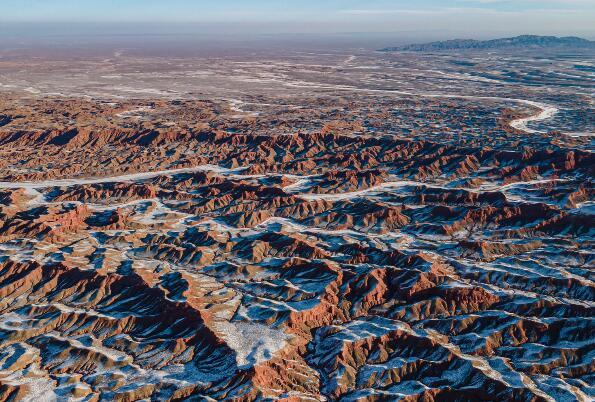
{"x": 523, "y": 41}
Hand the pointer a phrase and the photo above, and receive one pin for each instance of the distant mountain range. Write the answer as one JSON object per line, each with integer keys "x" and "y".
{"x": 523, "y": 41}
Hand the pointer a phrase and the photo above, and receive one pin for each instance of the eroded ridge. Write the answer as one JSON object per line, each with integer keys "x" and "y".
{"x": 307, "y": 267}
{"x": 353, "y": 226}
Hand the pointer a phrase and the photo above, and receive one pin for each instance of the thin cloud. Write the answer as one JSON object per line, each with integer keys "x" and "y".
{"x": 454, "y": 11}
{"x": 390, "y": 11}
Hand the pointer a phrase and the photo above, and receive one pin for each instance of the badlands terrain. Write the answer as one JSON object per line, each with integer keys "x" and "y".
{"x": 305, "y": 226}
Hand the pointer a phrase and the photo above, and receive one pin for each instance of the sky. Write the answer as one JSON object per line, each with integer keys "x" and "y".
{"x": 473, "y": 17}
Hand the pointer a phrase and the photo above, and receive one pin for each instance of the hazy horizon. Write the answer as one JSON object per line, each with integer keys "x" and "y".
{"x": 203, "y": 39}
{"x": 426, "y": 19}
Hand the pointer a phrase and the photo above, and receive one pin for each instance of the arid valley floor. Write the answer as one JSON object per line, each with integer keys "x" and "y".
{"x": 311, "y": 225}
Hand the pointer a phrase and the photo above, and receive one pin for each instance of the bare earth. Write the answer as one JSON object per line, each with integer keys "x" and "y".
{"x": 338, "y": 225}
